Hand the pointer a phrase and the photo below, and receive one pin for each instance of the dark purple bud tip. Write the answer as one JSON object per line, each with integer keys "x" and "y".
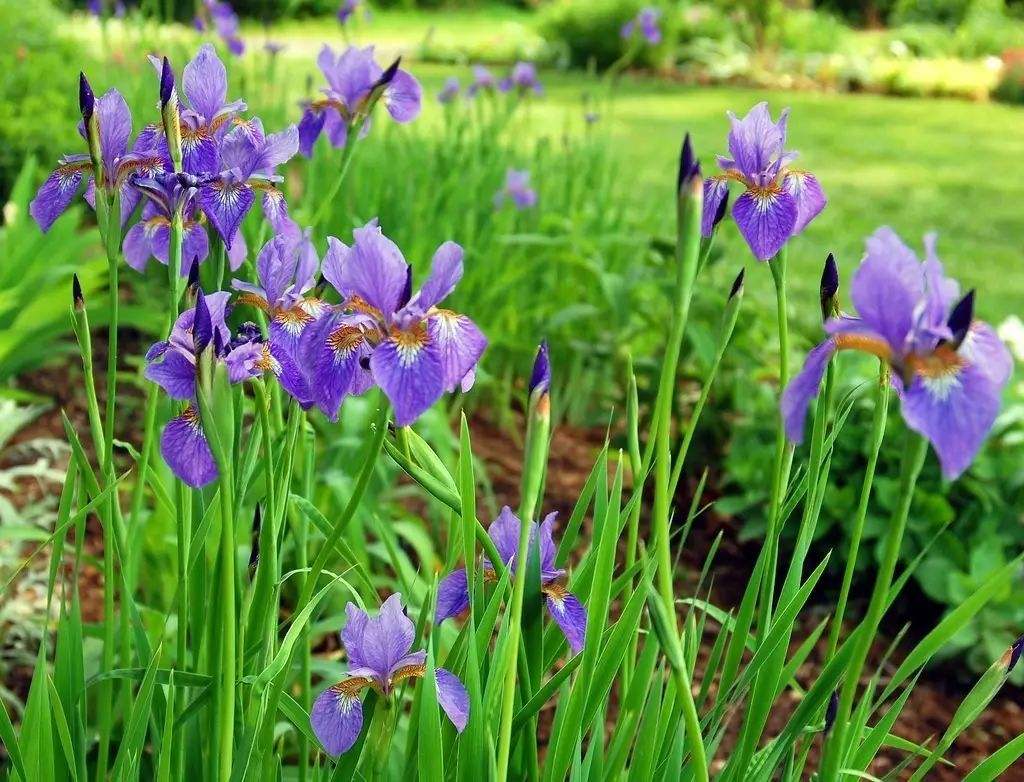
{"x": 193, "y": 274}
{"x": 86, "y": 98}
{"x": 389, "y": 74}
{"x": 219, "y": 348}
{"x": 722, "y": 206}
{"x": 737, "y": 284}
{"x": 961, "y": 317}
{"x": 77, "y": 297}
{"x": 407, "y": 291}
{"x": 829, "y": 287}
{"x": 540, "y": 378}
{"x": 832, "y": 710}
{"x": 202, "y": 327}
{"x": 166, "y": 83}
{"x": 689, "y": 166}
{"x": 257, "y": 525}
{"x": 1015, "y": 650}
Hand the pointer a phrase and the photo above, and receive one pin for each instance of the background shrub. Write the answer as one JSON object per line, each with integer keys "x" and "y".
{"x": 37, "y": 104}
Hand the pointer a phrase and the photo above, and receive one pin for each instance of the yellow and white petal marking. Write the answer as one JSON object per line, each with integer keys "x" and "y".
{"x": 407, "y": 672}
{"x": 344, "y": 341}
{"x": 939, "y": 371}
{"x": 409, "y": 342}
{"x": 557, "y": 593}
{"x": 765, "y": 197}
{"x": 267, "y": 362}
{"x": 448, "y": 323}
{"x": 293, "y": 320}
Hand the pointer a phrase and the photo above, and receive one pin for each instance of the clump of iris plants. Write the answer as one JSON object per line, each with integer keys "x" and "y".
{"x": 302, "y": 387}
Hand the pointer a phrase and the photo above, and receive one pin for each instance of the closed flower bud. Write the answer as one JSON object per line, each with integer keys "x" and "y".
{"x": 1012, "y": 656}
{"x": 831, "y": 710}
{"x": 689, "y": 166}
{"x": 960, "y": 318}
{"x": 86, "y": 98}
{"x": 193, "y": 277}
{"x": 202, "y": 327}
{"x": 77, "y": 297}
{"x": 720, "y": 212}
{"x": 169, "y": 113}
{"x": 540, "y": 378}
{"x": 257, "y": 525}
{"x": 829, "y": 288}
{"x": 737, "y": 285}
{"x": 87, "y": 105}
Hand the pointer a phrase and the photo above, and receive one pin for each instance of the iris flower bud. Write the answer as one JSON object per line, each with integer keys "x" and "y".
{"x": 689, "y": 166}
{"x": 829, "y": 288}
{"x": 77, "y": 297}
{"x": 960, "y": 318}
{"x": 169, "y": 113}
{"x": 87, "y": 105}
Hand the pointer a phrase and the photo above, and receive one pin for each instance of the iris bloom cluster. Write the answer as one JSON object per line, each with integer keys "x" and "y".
{"x": 948, "y": 368}
{"x": 118, "y": 165}
{"x": 384, "y": 334}
{"x": 779, "y": 200}
{"x": 647, "y": 23}
{"x": 355, "y": 81}
{"x": 172, "y": 364}
{"x": 521, "y": 80}
{"x": 564, "y": 607}
{"x": 219, "y": 15}
{"x": 380, "y": 657}
{"x": 517, "y": 190}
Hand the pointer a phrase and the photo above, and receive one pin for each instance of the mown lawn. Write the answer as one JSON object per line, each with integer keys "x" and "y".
{"x": 918, "y": 165}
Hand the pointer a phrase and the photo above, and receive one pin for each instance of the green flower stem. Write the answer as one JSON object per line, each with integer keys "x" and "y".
{"x": 783, "y": 449}
{"x": 913, "y": 459}
{"x": 881, "y": 412}
{"x": 346, "y": 160}
{"x": 302, "y": 544}
{"x": 688, "y": 246}
{"x": 536, "y": 453}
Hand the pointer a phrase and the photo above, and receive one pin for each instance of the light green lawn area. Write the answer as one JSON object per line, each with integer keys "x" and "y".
{"x": 916, "y": 164}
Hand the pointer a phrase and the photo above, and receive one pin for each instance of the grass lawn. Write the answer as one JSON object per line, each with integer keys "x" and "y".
{"x": 918, "y": 165}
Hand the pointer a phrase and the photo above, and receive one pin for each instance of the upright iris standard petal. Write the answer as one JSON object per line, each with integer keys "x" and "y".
{"x": 755, "y": 142}
{"x": 205, "y": 82}
{"x": 766, "y": 218}
{"x": 453, "y": 698}
{"x": 570, "y": 615}
{"x": 887, "y": 287}
{"x": 373, "y": 269}
{"x": 115, "y": 123}
{"x": 504, "y": 531}
{"x": 445, "y": 273}
{"x": 186, "y": 451}
{"x": 386, "y": 638}
{"x": 337, "y": 717}
{"x": 452, "y": 595}
{"x": 803, "y": 388}
{"x": 408, "y": 368}
{"x": 716, "y": 190}
{"x": 310, "y": 126}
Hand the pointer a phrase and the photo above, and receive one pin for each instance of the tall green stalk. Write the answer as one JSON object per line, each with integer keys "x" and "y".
{"x": 878, "y": 421}
{"x": 913, "y": 459}
{"x": 687, "y": 257}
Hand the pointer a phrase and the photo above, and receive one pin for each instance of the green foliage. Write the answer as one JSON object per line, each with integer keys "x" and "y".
{"x": 38, "y": 97}
{"x": 590, "y": 31}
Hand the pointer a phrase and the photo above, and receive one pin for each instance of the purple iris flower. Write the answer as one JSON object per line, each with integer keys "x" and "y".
{"x": 347, "y": 9}
{"x": 450, "y": 91}
{"x": 150, "y": 236}
{"x": 248, "y": 160}
{"x": 95, "y": 7}
{"x": 354, "y": 79}
{"x": 948, "y": 369}
{"x": 171, "y": 364}
{"x": 483, "y": 81}
{"x": 564, "y": 607}
{"x": 225, "y": 22}
{"x": 119, "y": 165}
{"x": 384, "y": 334}
{"x": 273, "y": 48}
{"x": 779, "y": 200}
{"x": 286, "y": 268}
{"x": 517, "y": 190}
{"x": 208, "y": 116}
{"x": 522, "y": 79}
{"x": 380, "y": 657}
{"x": 647, "y": 22}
